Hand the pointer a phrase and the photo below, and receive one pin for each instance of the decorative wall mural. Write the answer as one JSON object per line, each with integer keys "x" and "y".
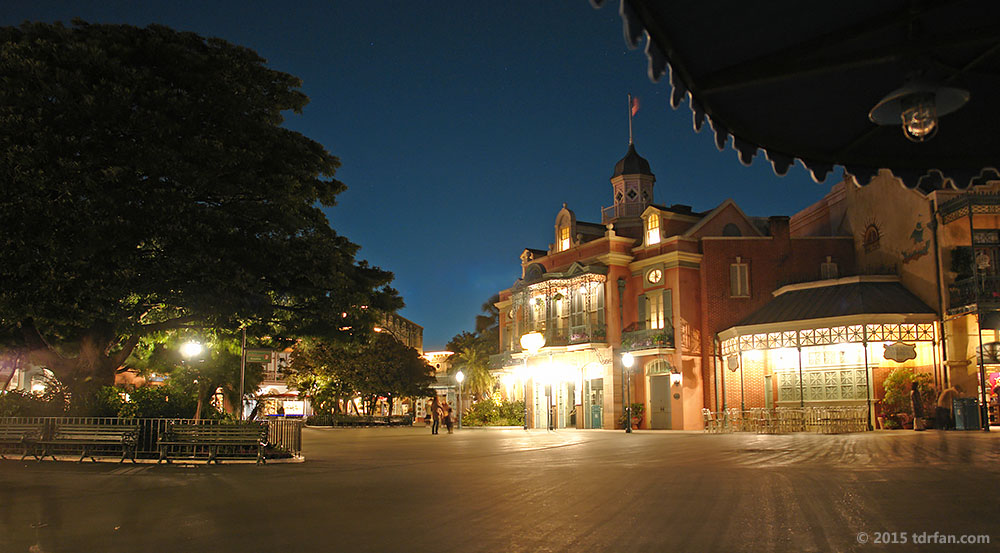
{"x": 921, "y": 245}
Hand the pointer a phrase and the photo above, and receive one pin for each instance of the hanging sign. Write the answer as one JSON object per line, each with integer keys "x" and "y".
{"x": 258, "y": 356}
{"x": 900, "y": 352}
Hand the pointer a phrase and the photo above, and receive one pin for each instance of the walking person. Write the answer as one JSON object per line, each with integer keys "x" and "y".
{"x": 944, "y": 419}
{"x": 435, "y": 415}
{"x": 447, "y": 417}
{"x": 917, "y": 406}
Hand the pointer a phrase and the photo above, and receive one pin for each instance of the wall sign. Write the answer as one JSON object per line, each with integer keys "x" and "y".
{"x": 900, "y": 352}
{"x": 733, "y": 362}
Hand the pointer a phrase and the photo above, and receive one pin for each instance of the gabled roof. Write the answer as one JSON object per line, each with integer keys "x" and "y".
{"x": 838, "y": 298}
{"x": 712, "y": 214}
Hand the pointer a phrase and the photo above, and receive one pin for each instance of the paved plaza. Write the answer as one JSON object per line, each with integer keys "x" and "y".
{"x": 404, "y": 490}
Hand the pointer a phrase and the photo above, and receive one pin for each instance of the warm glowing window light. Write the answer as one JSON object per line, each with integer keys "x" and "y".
{"x": 563, "y": 239}
{"x": 653, "y": 229}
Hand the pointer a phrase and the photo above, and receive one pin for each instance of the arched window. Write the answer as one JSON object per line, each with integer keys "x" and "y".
{"x": 731, "y": 230}
{"x": 653, "y": 229}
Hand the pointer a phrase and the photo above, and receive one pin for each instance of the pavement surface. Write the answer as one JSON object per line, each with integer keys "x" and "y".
{"x": 404, "y": 490}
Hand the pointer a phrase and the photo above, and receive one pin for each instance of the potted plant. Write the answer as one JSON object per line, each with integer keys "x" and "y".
{"x": 638, "y": 409}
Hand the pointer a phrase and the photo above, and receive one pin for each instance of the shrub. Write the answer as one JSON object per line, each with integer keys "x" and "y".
{"x": 493, "y": 412}
{"x": 897, "y": 391}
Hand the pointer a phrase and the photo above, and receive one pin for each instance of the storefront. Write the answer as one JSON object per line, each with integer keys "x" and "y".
{"x": 565, "y": 385}
{"x": 827, "y": 343}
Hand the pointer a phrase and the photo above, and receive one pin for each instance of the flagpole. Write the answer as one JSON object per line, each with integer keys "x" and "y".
{"x": 630, "y": 118}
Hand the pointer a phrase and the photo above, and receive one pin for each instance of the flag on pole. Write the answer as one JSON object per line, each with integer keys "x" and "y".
{"x": 635, "y": 105}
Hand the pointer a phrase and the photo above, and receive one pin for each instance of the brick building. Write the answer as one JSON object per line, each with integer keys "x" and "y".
{"x": 659, "y": 282}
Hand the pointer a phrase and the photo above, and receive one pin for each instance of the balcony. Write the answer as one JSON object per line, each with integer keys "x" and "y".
{"x": 654, "y": 338}
{"x": 968, "y": 291}
{"x": 609, "y": 214}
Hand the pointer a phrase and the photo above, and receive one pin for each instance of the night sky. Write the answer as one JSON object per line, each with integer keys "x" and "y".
{"x": 463, "y": 126}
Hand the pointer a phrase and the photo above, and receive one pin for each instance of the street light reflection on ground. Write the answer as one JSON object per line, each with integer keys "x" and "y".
{"x": 530, "y": 343}
{"x": 460, "y": 377}
{"x": 627, "y": 361}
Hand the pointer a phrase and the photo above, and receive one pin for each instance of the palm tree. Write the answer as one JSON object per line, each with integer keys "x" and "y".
{"x": 476, "y": 366}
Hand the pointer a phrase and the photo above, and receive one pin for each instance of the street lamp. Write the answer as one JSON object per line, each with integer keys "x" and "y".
{"x": 460, "y": 377}
{"x": 627, "y": 361}
{"x": 191, "y": 349}
{"x": 530, "y": 343}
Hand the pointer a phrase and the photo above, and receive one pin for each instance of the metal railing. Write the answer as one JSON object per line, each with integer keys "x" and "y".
{"x": 282, "y": 434}
{"x": 820, "y": 420}
{"x": 647, "y": 339}
{"x": 622, "y": 210}
{"x": 968, "y": 290}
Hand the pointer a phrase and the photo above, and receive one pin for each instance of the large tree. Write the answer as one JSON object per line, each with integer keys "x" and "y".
{"x": 383, "y": 367}
{"x": 148, "y": 185}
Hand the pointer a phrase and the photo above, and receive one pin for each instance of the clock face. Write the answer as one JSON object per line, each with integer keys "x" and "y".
{"x": 654, "y": 276}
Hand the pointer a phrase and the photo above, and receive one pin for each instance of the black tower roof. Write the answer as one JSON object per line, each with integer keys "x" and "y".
{"x": 632, "y": 164}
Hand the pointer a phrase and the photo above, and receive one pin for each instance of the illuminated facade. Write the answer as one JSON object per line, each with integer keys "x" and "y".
{"x": 657, "y": 281}
{"x": 945, "y": 247}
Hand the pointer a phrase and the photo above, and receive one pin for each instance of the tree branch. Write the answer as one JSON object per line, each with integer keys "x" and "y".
{"x": 118, "y": 359}
{"x": 169, "y": 324}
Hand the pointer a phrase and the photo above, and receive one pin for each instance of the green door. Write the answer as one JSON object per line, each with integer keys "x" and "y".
{"x": 659, "y": 402}
{"x": 596, "y": 402}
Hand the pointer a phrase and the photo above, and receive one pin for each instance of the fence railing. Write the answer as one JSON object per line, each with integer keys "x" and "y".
{"x": 282, "y": 434}
{"x": 821, "y": 420}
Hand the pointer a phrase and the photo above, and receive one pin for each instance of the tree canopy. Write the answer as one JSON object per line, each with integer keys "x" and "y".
{"x": 384, "y": 367}
{"x": 149, "y": 185}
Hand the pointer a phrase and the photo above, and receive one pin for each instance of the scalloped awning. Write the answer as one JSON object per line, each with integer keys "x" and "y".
{"x": 797, "y": 80}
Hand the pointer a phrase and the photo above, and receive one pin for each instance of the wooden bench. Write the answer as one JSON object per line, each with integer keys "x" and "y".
{"x": 192, "y": 441}
{"x": 24, "y": 436}
{"x": 92, "y": 439}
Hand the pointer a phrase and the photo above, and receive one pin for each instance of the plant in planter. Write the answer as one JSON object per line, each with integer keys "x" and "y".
{"x": 638, "y": 409}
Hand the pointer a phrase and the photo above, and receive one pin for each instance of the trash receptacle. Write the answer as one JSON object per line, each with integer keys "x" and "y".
{"x": 966, "y": 413}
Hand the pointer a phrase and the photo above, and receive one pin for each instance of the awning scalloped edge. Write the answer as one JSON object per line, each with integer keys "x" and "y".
{"x": 931, "y": 179}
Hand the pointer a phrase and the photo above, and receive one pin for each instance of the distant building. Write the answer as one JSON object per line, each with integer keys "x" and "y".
{"x": 403, "y": 329}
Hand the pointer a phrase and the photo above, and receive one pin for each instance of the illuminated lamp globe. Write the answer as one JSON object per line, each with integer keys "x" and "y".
{"x": 628, "y": 360}
{"x": 460, "y": 377}
{"x": 532, "y": 341}
{"x": 191, "y": 349}
{"x": 917, "y": 107}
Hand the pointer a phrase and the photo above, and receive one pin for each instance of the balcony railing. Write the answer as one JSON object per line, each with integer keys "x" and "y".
{"x": 648, "y": 339}
{"x": 583, "y": 334}
{"x": 608, "y": 214}
{"x": 968, "y": 290}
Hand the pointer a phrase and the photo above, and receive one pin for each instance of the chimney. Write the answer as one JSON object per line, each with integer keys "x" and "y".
{"x": 778, "y": 227}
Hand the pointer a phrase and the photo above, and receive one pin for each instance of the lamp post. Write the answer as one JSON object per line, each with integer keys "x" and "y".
{"x": 243, "y": 371}
{"x": 460, "y": 377}
{"x": 627, "y": 361}
{"x": 530, "y": 343}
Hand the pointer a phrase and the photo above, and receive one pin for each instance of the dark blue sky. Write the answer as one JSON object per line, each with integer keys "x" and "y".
{"x": 463, "y": 126}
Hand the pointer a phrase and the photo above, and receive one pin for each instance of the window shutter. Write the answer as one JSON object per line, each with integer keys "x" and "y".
{"x": 734, "y": 280}
{"x": 668, "y": 310}
{"x": 642, "y": 313}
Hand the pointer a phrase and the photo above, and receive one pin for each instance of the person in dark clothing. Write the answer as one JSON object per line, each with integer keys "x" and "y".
{"x": 917, "y": 406}
{"x": 435, "y": 415}
{"x": 943, "y": 417}
{"x": 447, "y": 417}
